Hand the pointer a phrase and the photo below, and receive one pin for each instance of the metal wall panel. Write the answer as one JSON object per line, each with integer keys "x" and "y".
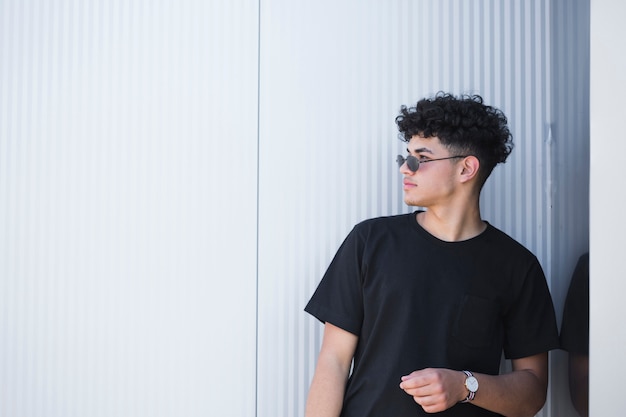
{"x": 131, "y": 241}
{"x": 332, "y": 78}
{"x": 569, "y": 182}
{"x": 128, "y": 136}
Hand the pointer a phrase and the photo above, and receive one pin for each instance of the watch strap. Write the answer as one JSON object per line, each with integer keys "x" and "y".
{"x": 472, "y": 394}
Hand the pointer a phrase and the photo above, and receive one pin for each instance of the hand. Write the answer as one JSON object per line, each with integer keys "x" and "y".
{"x": 435, "y": 389}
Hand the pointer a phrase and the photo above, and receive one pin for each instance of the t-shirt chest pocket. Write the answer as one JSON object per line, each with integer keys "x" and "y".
{"x": 477, "y": 322}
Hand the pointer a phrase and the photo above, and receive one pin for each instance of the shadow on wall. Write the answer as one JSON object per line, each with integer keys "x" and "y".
{"x": 575, "y": 335}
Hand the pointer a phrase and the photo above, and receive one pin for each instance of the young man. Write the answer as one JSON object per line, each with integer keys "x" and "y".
{"x": 419, "y": 308}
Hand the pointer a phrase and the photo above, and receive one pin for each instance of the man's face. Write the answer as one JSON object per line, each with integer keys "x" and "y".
{"x": 433, "y": 184}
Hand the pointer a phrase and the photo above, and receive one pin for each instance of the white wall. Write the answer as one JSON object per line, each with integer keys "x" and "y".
{"x": 608, "y": 227}
{"x": 128, "y": 150}
{"x": 176, "y": 175}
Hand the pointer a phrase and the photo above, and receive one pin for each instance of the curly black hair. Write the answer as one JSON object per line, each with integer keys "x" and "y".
{"x": 463, "y": 125}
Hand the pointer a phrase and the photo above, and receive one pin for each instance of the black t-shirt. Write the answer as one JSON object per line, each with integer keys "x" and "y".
{"x": 416, "y": 301}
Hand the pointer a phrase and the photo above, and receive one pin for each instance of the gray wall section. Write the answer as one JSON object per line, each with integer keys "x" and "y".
{"x": 569, "y": 148}
{"x": 176, "y": 176}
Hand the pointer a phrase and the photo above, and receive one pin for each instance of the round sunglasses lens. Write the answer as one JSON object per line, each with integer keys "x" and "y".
{"x": 413, "y": 163}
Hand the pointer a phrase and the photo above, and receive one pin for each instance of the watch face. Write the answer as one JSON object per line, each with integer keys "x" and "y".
{"x": 472, "y": 384}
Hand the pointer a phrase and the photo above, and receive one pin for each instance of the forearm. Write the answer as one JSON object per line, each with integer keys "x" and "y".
{"x": 327, "y": 389}
{"x": 517, "y": 394}
{"x": 579, "y": 383}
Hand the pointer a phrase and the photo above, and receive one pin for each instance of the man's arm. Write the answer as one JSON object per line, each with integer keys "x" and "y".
{"x": 331, "y": 373}
{"x": 521, "y": 392}
{"x": 579, "y": 382}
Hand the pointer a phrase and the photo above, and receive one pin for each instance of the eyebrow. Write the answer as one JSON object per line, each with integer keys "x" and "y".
{"x": 420, "y": 150}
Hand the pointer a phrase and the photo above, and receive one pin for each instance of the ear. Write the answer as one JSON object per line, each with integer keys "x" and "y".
{"x": 469, "y": 168}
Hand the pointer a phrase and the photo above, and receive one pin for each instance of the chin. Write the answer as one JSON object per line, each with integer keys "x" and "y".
{"x": 411, "y": 203}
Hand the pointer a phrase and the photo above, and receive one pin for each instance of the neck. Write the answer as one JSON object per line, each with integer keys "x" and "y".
{"x": 452, "y": 225}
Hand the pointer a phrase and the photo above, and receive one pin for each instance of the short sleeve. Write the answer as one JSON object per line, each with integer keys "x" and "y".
{"x": 338, "y": 298}
{"x": 530, "y": 324}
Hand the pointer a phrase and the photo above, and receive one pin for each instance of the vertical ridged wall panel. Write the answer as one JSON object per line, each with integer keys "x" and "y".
{"x": 128, "y": 136}
{"x": 569, "y": 147}
{"x": 332, "y": 79}
{"x": 129, "y": 139}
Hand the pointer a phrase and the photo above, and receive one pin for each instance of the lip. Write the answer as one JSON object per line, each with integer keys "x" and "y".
{"x": 407, "y": 185}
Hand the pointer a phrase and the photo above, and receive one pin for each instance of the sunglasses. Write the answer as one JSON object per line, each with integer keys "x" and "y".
{"x": 414, "y": 164}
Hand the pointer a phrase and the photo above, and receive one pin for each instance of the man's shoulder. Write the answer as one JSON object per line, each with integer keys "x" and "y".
{"x": 384, "y": 222}
{"x": 507, "y": 243}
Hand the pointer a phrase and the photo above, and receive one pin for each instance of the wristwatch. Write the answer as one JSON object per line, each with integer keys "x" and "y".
{"x": 471, "y": 383}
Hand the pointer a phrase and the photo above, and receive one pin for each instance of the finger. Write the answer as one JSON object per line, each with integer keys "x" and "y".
{"x": 413, "y": 374}
{"x": 414, "y": 380}
{"x": 411, "y": 384}
{"x": 416, "y": 390}
{"x": 431, "y": 403}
